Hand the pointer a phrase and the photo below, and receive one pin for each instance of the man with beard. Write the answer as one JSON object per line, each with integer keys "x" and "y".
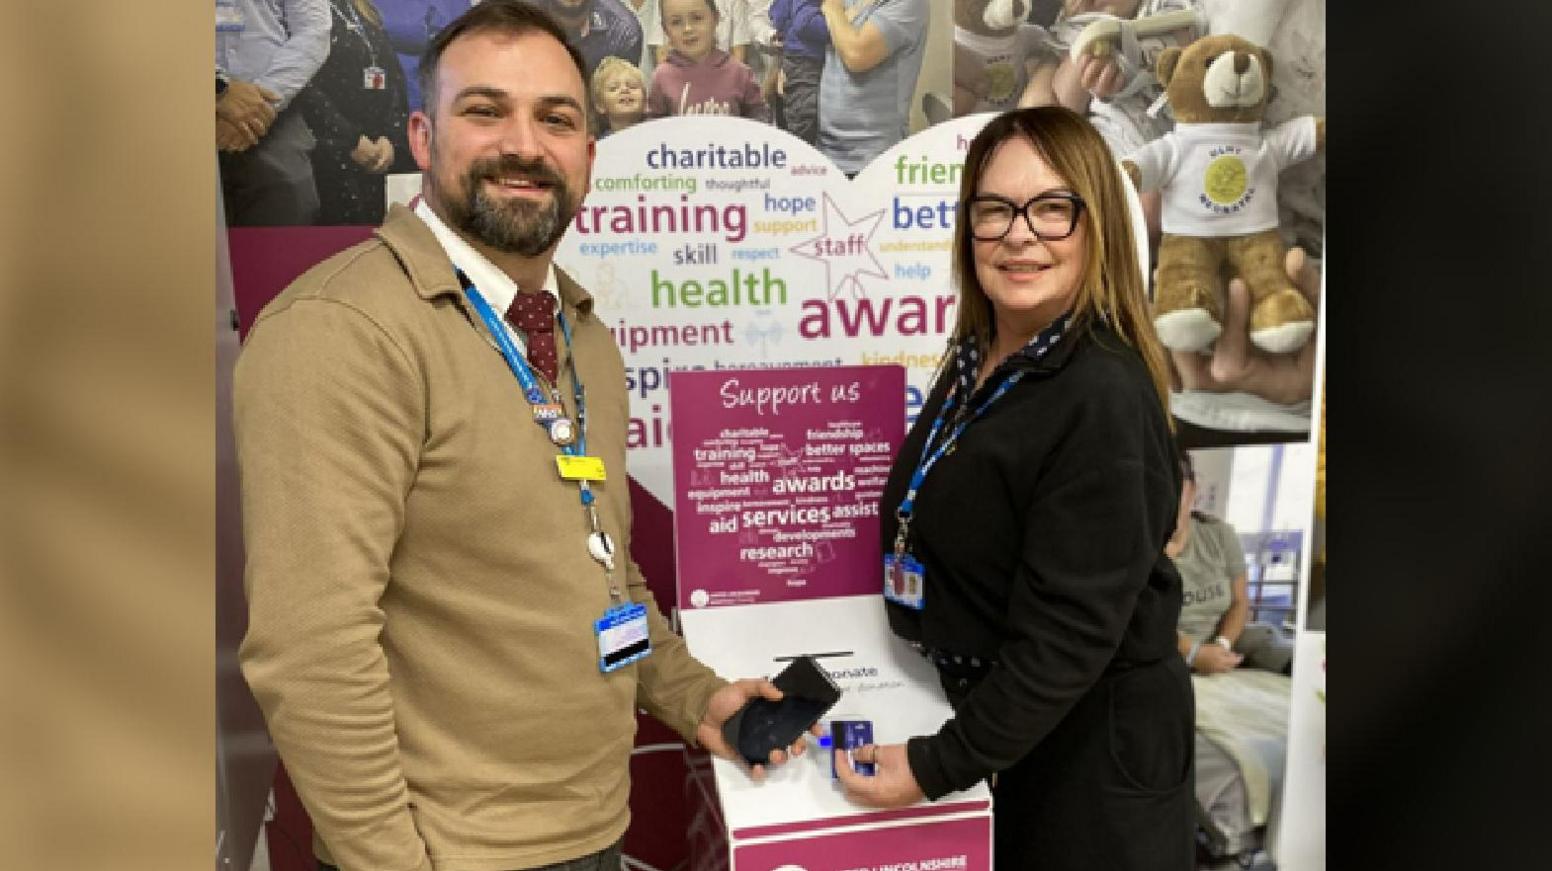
{"x": 447, "y": 635}
{"x": 598, "y": 29}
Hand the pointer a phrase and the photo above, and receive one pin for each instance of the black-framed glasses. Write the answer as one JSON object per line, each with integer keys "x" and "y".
{"x": 1052, "y": 216}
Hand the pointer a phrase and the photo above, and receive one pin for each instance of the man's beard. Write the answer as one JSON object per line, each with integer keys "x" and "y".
{"x": 513, "y": 226}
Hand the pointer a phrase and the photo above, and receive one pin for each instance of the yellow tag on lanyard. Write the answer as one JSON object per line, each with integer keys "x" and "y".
{"x": 576, "y": 468}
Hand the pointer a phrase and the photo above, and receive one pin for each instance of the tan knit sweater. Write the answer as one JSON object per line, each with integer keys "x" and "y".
{"x": 421, "y": 600}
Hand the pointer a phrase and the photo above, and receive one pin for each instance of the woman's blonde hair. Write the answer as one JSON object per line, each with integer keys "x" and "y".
{"x": 368, "y": 11}
{"x": 1112, "y": 290}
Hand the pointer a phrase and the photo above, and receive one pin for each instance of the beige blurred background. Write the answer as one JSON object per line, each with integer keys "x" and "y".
{"x": 106, "y": 396}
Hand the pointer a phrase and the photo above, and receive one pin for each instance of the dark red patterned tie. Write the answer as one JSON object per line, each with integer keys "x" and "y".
{"x": 534, "y": 314}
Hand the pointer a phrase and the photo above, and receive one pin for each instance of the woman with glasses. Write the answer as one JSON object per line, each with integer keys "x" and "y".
{"x": 1025, "y": 521}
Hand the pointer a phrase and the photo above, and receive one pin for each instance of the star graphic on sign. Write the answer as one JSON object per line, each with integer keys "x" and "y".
{"x": 843, "y": 246}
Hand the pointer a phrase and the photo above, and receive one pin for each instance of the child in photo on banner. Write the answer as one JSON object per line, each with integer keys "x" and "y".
{"x": 697, "y": 78}
{"x": 737, "y": 27}
{"x": 619, "y": 92}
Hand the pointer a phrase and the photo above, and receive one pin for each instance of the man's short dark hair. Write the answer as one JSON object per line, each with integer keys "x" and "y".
{"x": 501, "y": 16}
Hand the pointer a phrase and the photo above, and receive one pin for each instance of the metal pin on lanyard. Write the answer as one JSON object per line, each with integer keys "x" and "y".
{"x": 561, "y": 430}
{"x": 903, "y": 530}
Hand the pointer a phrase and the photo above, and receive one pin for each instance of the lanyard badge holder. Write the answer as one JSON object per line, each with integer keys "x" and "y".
{"x": 903, "y": 573}
{"x": 622, "y": 631}
{"x": 905, "y": 580}
{"x": 373, "y": 77}
{"x": 623, "y": 635}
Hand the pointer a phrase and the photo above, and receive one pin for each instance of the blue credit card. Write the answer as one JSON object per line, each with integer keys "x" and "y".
{"x": 849, "y": 735}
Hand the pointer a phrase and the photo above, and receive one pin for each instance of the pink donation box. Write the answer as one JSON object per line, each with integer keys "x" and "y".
{"x": 777, "y": 480}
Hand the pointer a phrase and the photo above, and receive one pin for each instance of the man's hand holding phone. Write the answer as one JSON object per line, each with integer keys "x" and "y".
{"x": 730, "y": 700}
{"x": 759, "y": 722}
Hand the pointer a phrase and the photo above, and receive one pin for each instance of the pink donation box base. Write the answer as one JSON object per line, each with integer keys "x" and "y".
{"x": 954, "y": 836}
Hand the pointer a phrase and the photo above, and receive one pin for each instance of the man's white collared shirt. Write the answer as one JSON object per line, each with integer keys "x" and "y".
{"x": 496, "y": 286}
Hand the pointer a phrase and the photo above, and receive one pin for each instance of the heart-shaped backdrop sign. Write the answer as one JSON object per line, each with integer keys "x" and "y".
{"x": 721, "y": 243}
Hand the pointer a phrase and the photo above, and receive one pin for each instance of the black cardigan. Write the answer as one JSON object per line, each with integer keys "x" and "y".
{"x": 1042, "y": 537}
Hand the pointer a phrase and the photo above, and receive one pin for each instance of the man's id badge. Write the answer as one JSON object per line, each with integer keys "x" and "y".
{"x": 622, "y": 636}
{"x": 374, "y": 78}
{"x": 579, "y": 468}
{"x": 903, "y": 580}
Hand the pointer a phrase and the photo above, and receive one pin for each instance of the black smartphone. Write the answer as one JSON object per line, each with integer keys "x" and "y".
{"x": 762, "y": 725}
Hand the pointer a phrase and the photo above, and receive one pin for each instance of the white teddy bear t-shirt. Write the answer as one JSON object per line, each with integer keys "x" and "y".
{"x": 1221, "y": 179}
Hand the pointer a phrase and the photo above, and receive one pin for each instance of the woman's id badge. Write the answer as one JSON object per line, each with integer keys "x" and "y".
{"x": 903, "y": 576}
{"x": 622, "y": 636}
{"x": 374, "y": 78}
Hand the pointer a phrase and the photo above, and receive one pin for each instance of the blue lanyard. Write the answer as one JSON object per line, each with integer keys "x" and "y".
{"x": 929, "y": 458}
{"x": 525, "y": 375}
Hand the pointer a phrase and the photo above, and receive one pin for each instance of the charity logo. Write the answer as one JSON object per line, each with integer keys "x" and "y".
{"x": 1000, "y": 79}
{"x": 1225, "y": 180}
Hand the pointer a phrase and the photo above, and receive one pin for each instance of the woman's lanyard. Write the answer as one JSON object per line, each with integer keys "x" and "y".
{"x": 549, "y": 414}
{"x": 351, "y": 16}
{"x": 929, "y": 458}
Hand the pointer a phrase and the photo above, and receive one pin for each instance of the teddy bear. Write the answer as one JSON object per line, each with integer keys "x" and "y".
{"x": 995, "y": 52}
{"x": 1218, "y": 173}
